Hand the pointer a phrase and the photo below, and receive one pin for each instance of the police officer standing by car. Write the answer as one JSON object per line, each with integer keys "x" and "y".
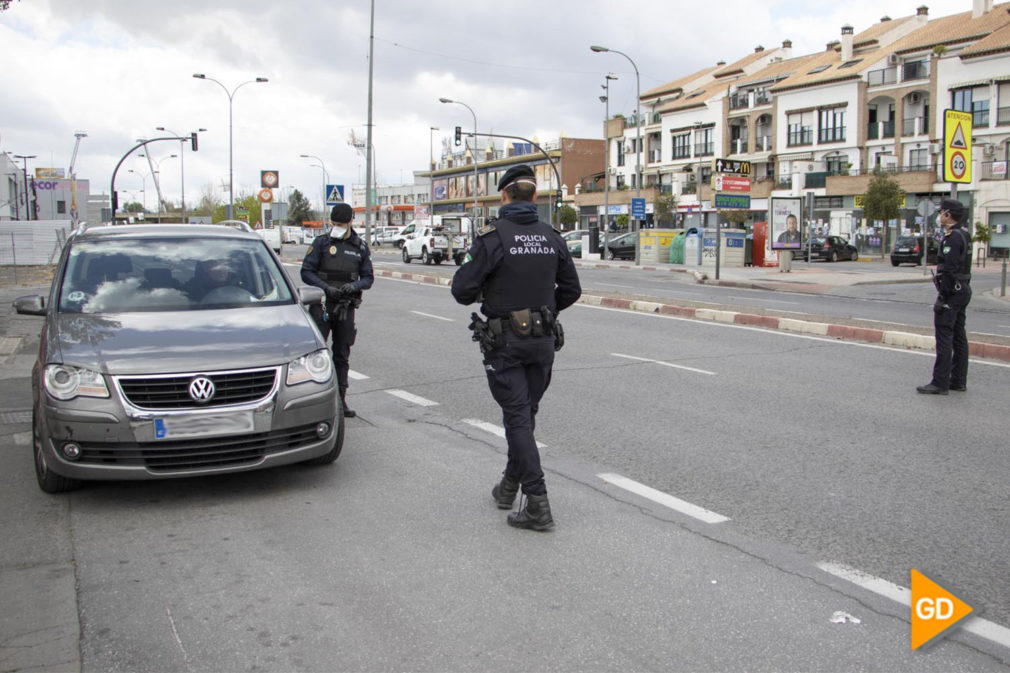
{"x": 340, "y": 264}
{"x": 521, "y": 270}
{"x": 953, "y": 277}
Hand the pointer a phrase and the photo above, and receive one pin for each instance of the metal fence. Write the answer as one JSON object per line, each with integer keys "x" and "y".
{"x": 32, "y": 243}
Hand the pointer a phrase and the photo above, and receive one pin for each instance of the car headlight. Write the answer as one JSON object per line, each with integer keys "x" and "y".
{"x": 65, "y": 382}
{"x": 316, "y": 367}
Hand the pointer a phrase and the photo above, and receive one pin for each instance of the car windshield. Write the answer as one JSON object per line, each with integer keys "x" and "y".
{"x": 170, "y": 274}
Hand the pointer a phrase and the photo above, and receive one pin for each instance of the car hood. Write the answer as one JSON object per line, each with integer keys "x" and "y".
{"x": 182, "y": 341}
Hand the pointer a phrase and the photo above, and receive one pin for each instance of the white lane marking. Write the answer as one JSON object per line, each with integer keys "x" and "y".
{"x": 413, "y": 399}
{"x": 436, "y": 317}
{"x": 664, "y": 499}
{"x": 665, "y": 364}
{"x": 175, "y": 633}
{"x": 493, "y": 429}
{"x": 616, "y": 285}
{"x": 973, "y": 624}
{"x": 837, "y": 342}
{"x": 357, "y": 376}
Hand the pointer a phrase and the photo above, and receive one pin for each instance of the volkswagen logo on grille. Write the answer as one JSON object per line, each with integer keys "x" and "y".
{"x": 201, "y": 389}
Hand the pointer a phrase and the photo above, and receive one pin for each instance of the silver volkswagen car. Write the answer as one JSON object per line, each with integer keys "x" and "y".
{"x": 173, "y": 351}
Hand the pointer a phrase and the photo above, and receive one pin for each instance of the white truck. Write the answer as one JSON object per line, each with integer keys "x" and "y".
{"x": 431, "y": 243}
{"x": 272, "y": 236}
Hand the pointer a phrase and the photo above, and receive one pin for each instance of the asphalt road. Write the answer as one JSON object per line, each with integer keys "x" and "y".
{"x": 907, "y": 302}
{"x": 395, "y": 558}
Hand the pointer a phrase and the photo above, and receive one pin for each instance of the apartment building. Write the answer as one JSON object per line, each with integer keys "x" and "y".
{"x": 822, "y": 123}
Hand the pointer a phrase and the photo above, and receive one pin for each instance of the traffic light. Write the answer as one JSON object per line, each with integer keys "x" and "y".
{"x": 193, "y": 141}
{"x": 459, "y": 135}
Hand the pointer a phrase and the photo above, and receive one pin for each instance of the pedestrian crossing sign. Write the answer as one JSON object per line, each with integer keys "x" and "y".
{"x": 334, "y": 194}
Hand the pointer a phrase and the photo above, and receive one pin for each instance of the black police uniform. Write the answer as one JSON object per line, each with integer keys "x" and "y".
{"x": 519, "y": 262}
{"x": 953, "y": 268}
{"x": 333, "y": 263}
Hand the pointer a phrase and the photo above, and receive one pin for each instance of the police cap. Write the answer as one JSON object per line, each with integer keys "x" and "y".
{"x": 954, "y": 207}
{"x": 516, "y": 173}
{"x": 342, "y": 213}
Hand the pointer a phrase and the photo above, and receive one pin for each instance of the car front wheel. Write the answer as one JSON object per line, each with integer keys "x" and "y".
{"x": 855, "y": 255}
{"x": 49, "y": 481}
{"x": 834, "y": 255}
{"x": 425, "y": 257}
{"x": 405, "y": 256}
{"x": 611, "y": 254}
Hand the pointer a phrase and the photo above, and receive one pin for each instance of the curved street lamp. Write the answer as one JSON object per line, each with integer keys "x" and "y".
{"x": 182, "y": 166}
{"x": 475, "y": 183}
{"x": 326, "y": 179}
{"x": 638, "y": 127}
{"x": 231, "y": 171}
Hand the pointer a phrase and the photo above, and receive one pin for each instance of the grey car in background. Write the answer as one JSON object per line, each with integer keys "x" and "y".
{"x": 174, "y": 351}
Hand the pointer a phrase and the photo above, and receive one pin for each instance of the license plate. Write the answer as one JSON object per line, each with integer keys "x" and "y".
{"x": 902, "y": 249}
{"x": 203, "y": 425}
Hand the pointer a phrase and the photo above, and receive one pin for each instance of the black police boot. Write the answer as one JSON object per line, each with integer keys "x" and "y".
{"x": 931, "y": 389}
{"x": 348, "y": 413}
{"x": 535, "y": 516}
{"x": 504, "y": 492}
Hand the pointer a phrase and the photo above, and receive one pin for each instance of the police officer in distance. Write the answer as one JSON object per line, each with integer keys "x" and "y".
{"x": 521, "y": 270}
{"x": 340, "y": 264}
{"x": 953, "y": 277}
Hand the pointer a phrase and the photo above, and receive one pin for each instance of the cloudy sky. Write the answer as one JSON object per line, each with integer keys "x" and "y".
{"x": 116, "y": 69}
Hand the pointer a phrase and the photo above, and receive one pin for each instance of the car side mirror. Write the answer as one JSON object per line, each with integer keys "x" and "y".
{"x": 31, "y": 305}
{"x": 308, "y": 295}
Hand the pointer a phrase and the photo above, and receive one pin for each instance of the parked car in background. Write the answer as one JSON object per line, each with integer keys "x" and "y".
{"x": 829, "y": 249}
{"x": 176, "y": 351}
{"x": 575, "y": 235}
{"x": 385, "y": 236}
{"x": 908, "y": 250}
{"x": 621, "y": 246}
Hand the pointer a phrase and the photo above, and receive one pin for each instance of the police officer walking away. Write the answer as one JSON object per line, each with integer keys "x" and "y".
{"x": 521, "y": 270}
{"x": 953, "y": 275}
{"x": 340, "y": 264}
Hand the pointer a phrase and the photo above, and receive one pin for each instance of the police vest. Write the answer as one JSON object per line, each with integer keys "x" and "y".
{"x": 526, "y": 276}
{"x": 964, "y": 264}
{"x": 340, "y": 261}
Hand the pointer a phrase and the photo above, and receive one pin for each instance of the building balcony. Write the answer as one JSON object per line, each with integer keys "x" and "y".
{"x": 980, "y": 119}
{"x": 916, "y": 126}
{"x": 880, "y": 130}
{"x": 739, "y": 101}
{"x": 882, "y": 76}
{"x": 831, "y": 135}
{"x": 914, "y": 70}
{"x": 1003, "y": 116}
{"x": 993, "y": 170}
{"x": 911, "y": 179}
{"x": 704, "y": 149}
{"x": 738, "y": 146}
{"x": 763, "y": 143}
{"x": 801, "y": 137}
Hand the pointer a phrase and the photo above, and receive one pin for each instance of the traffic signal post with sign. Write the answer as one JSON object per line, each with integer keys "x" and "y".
{"x": 733, "y": 176}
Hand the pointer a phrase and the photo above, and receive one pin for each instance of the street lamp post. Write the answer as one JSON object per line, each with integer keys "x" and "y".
{"x": 638, "y": 140}
{"x": 143, "y": 185}
{"x": 231, "y": 163}
{"x": 156, "y": 173}
{"x": 326, "y": 179}
{"x": 431, "y": 174}
{"x": 606, "y": 173}
{"x": 473, "y": 152}
{"x": 25, "y": 158}
{"x": 182, "y": 167}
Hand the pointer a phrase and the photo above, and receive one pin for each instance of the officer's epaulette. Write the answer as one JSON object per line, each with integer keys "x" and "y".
{"x": 486, "y": 229}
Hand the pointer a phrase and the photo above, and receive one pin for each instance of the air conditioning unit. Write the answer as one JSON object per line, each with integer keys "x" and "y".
{"x": 934, "y": 148}
{"x": 915, "y": 98}
{"x": 892, "y": 59}
{"x": 989, "y": 150}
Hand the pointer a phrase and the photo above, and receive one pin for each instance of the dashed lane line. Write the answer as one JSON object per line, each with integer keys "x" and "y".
{"x": 493, "y": 429}
{"x": 436, "y": 317}
{"x": 665, "y": 364}
{"x": 357, "y": 376}
{"x": 976, "y": 625}
{"x": 664, "y": 499}
{"x": 412, "y": 398}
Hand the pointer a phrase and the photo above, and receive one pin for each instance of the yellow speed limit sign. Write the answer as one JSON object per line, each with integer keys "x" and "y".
{"x": 956, "y": 146}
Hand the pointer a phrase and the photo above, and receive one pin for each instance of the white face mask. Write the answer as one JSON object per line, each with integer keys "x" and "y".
{"x": 337, "y": 232}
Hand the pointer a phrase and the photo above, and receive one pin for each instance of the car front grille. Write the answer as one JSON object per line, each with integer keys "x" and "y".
{"x": 172, "y": 392}
{"x": 198, "y": 454}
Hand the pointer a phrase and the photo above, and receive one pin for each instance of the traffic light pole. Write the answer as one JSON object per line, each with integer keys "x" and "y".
{"x": 554, "y": 166}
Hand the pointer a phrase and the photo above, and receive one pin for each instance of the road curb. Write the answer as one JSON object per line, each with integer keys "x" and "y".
{"x": 908, "y": 340}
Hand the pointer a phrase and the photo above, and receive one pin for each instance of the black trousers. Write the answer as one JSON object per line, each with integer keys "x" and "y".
{"x": 951, "y": 366}
{"x": 344, "y": 333}
{"x": 518, "y": 374}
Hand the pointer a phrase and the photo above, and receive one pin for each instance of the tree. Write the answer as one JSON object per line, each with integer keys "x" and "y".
{"x": 622, "y": 221}
{"x": 664, "y": 207}
{"x": 298, "y": 209}
{"x": 568, "y": 215}
{"x": 134, "y": 207}
{"x": 735, "y": 216}
{"x": 247, "y": 209}
{"x": 208, "y": 202}
{"x": 883, "y": 200}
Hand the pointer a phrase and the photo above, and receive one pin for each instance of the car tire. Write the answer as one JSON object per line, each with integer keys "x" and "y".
{"x": 438, "y": 261}
{"x": 895, "y": 262}
{"x": 338, "y": 445}
{"x": 459, "y": 260}
{"x": 855, "y": 255}
{"x": 611, "y": 254}
{"x": 834, "y": 255}
{"x": 49, "y": 481}
{"x": 425, "y": 257}
{"x": 404, "y": 255}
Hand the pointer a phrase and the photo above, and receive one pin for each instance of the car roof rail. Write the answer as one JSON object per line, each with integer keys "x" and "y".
{"x": 243, "y": 225}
